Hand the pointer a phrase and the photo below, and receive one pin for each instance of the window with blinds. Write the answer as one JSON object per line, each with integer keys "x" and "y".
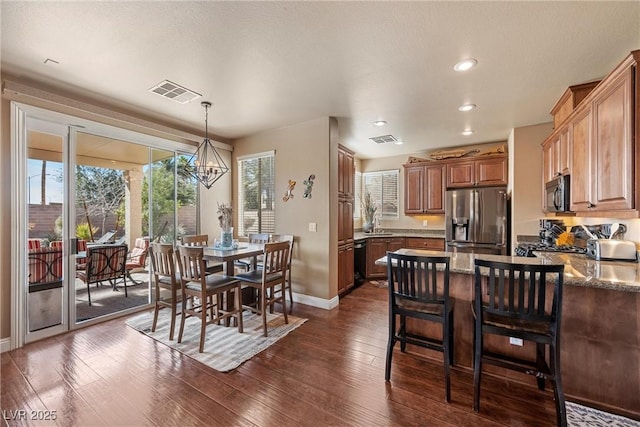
{"x": 383, "y": 186}
{"x": 256, "y": 194}
{"x": 357, "y": 202}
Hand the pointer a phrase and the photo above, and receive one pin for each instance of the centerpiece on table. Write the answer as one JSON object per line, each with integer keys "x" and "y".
{"x": 225, "y": 216}
{"x": 368, "y": 211}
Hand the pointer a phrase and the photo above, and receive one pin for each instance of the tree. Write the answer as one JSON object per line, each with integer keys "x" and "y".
{"x": 102, "y": 190}
{"x": 165, "y": 194}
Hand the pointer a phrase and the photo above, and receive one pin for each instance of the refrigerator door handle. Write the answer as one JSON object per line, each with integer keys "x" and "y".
{"x": 477, "y": 195}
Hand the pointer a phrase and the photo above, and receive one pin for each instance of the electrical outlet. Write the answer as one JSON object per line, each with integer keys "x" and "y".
{"x": 516, "y": 341}
{"x": 313, "y": 226}
{"x": 425, "y": 223}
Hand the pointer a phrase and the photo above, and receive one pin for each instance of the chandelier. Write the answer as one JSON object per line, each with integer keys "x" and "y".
{"x": 206, "y": 165}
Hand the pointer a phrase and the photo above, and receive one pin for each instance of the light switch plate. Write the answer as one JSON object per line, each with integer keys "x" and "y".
{"x": 425, "y": 223}
{"x": 313, "y": 226}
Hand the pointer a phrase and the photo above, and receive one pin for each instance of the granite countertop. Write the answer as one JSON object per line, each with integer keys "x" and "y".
{"x": 579, "y": 270}
{"x": 438, "y": 234}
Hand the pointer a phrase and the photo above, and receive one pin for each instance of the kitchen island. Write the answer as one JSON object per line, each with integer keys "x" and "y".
{"x": 600, "y": 331}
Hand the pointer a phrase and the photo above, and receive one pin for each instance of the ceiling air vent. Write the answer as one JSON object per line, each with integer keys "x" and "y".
{"x": 383, "y": 139}
{"x": 175, "y": 92}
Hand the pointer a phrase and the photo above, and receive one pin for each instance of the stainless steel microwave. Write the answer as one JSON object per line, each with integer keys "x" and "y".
{"x": 557, "y": 194}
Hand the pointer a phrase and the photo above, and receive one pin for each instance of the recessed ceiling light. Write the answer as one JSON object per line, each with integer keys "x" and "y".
{"x": 466, "y": 107}
{"x": 467, "y": 132}
{"x": 465, "y": 65}
{"x": 379, "y": 123}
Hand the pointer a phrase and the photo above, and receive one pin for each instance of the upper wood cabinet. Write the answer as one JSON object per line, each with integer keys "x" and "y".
{"x": 424, "y": 188}
{"x": 556, "y": 155}
{"x": 484, "y": 172}
{"x": 613, "y": 145}
{"x": 570, "y": 100}
{"x": 600, "y": 137}
{"x": 346, "y": 172}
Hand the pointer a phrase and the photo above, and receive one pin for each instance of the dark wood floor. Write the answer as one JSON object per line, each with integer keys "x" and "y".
{"x": 330, "y": 371}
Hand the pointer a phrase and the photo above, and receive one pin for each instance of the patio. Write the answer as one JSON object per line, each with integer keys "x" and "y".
{"x": 106, "y": 301}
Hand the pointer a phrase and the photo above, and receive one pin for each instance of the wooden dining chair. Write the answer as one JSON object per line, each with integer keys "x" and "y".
{"x": 419, "y": 289}
{"x": 520, "y": 300}
{"x": 287, "y": 238}
{"x": 268, "y": 279}
{"x": 203, "y": 240}
{"x": 201, "y": 292}
{"x": 247, "y": 264}
{"x": 163, "y": 266}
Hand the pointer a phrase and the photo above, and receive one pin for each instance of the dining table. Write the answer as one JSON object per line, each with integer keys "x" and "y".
{"x": 228, "y": 255}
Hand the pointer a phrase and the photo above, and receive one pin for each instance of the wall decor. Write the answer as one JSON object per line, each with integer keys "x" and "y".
{"x": 309, "y": 184}
{"x": 289, "y": 193}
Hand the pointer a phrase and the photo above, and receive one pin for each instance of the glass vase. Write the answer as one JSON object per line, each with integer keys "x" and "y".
{"x": 226, "y": 238}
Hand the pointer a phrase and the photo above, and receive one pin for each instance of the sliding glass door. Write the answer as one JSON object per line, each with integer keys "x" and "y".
{"x": 110, "y": 178}
{"x": 84, "y": 188}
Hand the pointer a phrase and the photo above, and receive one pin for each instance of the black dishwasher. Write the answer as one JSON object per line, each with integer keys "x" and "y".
{"x": 360, "y": 260}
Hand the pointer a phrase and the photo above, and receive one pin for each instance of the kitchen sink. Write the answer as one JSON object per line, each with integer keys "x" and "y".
{"x": 380, "y": 234}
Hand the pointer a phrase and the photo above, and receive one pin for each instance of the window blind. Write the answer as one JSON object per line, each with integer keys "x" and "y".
{"x": 383, "y": 186}
{"x": 357, "y": 203}
{"x": 256, "y": 194}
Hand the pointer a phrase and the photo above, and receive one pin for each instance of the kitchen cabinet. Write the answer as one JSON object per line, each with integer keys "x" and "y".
{"x": 428, "y": 243}
{"x": 346, "y": 172}
{"x": 345, "y": 221}
{"x": 556, "y": 155}
{"x": 346, "y": 190}
{"x": 601, "y": 131}
{"x": 485, "y": 172}
{"x": 345, "y": 268}
{"x": 424, "y": 188}
{"x": 377, "y": 247}
{"x": 570, "y": 100}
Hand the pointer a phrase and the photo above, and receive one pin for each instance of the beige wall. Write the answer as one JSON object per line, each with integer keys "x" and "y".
{"x": 301, "y": 150}
{"x": 525, "y": 178}
{"x": 5, "y": 221}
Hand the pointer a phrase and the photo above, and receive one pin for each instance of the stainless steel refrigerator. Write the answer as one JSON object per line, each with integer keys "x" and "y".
{"x": 477, "y": 220}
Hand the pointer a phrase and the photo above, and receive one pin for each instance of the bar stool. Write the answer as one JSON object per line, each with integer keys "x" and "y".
{"x": 512, "y": 300}
{"x": 414, "y": 292}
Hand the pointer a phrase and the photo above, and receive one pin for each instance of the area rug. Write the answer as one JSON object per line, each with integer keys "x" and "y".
{"x": 224, "y": 347}
{"x": 583, "y": 416}
{"x": 379, "y": 283}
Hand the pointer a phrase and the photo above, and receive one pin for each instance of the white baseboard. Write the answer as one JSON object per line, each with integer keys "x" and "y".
{"x": 5, "y": 344}
{"x": 326, "y": 304}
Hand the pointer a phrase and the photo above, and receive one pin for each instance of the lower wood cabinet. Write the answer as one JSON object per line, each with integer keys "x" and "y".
{"x": 345, "y": 268}
{"x": 429, "y": 243}
{"x": 377, "y": 247}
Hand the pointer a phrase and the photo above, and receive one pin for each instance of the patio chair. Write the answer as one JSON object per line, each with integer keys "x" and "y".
{"x": 104, "y": 262}
{"x": 106, "y": 238}
{"x": 137, "y": 258}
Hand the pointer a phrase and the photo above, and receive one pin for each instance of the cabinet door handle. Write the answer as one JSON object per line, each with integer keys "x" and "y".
{"x": 590, "y": 205}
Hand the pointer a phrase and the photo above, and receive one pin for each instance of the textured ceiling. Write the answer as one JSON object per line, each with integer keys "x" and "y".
{"x": 271, "y": 64}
